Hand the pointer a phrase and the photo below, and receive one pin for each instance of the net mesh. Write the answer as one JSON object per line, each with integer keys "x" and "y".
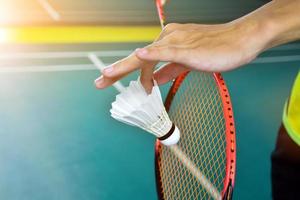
{"x": 197, "y": 111}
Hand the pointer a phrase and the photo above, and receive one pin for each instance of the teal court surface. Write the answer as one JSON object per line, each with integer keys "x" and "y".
{"x": 58, "y": 140}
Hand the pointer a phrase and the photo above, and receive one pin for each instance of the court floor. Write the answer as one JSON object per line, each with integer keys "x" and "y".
{"x": 58, "y": 140}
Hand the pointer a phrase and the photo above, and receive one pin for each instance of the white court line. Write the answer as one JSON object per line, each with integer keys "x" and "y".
{"x": 49, "y": 9}
{"x": 210, "y": 188}
{"x": 74, "y": 67}
{"x": 120, "y": 53}
{"x": 276, "y": 59}
{"x": 286, "y": 47}
{"x": 100, "y": 65}
{"x": 47, "y": 68}
{"x": 85, "y": 54}
{"x": 80, "y": 54}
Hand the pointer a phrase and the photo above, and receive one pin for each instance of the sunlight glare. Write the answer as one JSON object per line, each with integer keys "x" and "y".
{"x": 3, "y": 35}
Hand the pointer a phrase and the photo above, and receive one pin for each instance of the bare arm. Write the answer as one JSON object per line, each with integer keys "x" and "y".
{"x": 282, "y": 19}
{"x": 211, "y": 48}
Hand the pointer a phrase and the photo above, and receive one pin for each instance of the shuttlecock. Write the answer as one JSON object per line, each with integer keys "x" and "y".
{"x": 135, "y": 107}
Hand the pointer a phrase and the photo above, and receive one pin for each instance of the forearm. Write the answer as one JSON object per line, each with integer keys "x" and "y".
{"x": 277, "y": 22}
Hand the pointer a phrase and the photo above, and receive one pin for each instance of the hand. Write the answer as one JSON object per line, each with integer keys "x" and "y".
{"x": 212, "y": 48}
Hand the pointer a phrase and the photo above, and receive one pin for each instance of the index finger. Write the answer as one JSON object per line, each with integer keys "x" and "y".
{"x": 122, "y": 68}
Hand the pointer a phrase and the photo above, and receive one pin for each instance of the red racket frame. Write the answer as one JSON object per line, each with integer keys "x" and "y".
{"x": 230, "y": 135}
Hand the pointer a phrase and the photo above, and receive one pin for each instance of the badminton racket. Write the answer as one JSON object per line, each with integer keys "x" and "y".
{"x": 202, "y": 164}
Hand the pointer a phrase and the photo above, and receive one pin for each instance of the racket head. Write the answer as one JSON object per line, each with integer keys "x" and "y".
{"x": 198, "y": 103}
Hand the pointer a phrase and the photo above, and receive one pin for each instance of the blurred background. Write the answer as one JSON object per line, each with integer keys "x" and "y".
{"x": 57, "y": 139}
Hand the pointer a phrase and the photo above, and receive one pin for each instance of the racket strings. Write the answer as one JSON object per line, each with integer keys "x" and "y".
{"x": 202, "y": 179}
{"x": 198, "y": 113}
{"x": 212, "y": 118}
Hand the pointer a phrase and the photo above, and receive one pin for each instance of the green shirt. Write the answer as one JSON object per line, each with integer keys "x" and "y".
{"x": 291, "y": 114}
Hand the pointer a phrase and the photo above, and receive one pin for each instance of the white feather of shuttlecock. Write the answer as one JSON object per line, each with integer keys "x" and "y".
{"x": 135, "y": 107}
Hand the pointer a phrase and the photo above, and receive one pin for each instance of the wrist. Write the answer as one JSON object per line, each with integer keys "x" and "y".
{"x": 269, "y": 32}
{"x": 276, "y": 23}
{"x": 255, "y": 35}
{"x": 281, "y": 29}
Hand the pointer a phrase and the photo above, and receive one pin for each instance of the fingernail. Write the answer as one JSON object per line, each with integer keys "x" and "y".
{"x": 108, "y": 70}
{"x": 142, "y": 51}
{"x": 99, "y": 81}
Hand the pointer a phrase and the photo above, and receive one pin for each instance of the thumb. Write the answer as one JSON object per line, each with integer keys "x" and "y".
{"x": 169, "y": 72}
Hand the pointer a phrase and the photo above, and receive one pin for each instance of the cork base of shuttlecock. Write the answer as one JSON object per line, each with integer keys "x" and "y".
{"x": 172, "y": 139}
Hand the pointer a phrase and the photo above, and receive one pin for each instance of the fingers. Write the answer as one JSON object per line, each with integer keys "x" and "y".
{"x": 121, "y": 68}
{"x": 103, "y": 82}
{"x": 163, "y": 75}
{"x": 162, "y": 53}
{"x": 166, "y": 48}
{"x": 154, "y": 53}
{"x": 147, "y": 76}
{"x": 169, "y": 72}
